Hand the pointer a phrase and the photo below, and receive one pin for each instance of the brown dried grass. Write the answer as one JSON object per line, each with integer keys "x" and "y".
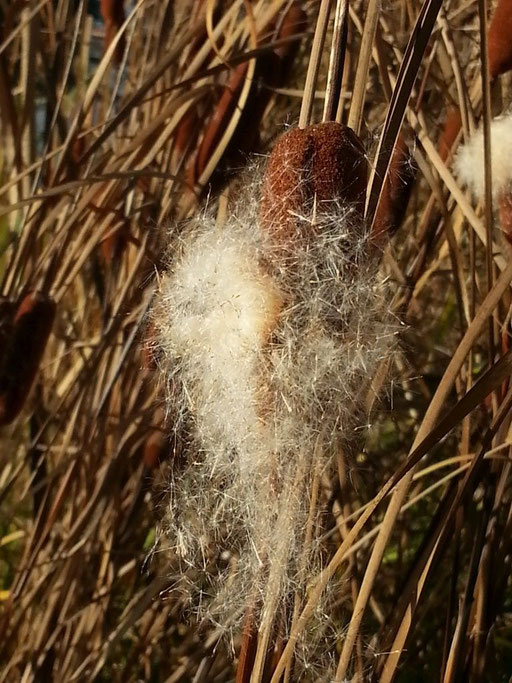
{"x": 99, "y": 132}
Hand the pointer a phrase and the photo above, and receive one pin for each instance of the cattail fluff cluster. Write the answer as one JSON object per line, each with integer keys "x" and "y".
{"x": 270, "y": 328}
{"x": 470, "y": 168}
{"x": 470, "y": 162}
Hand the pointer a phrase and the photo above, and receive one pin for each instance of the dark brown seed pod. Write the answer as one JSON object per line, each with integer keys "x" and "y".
{"x": 115, "y": 241}
{"x": 270, "y": 71}
{"x": 294, "y": 23}
{"x": 186, "y": 131}
{"x": 148, "y": 348}
{"x": 31, "y": 329}
{"x": 222, "y": 115}
{"x": 505, "y": 215}
{"x": 247, "y": 648}
{"x": 113, "y": 15}
{"x": 154, "y": 449}
{"x": 6, "y": 324}
{"x": 451, "y": 129}
{"x": 325, "y": 163}
{"x": 500, "y": 39}
{"x": 160, "y": 444}
{"x": 395, "y": 193}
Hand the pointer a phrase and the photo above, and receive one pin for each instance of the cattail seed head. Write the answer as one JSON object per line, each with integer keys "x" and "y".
{"x": 221, "y": 116}
{"x": 154, "y": 450}
{"x": 6, "y": 323}
{"x": 451, "y": 129}
{"x": 505, "y": 215}
{"x": 323, "y": 163}
{"x": 294, "y": 22}
{"x": 470, "y": 163}
{"x": 470, "y": 168}
{"x": 113, "y": 15}
{"x": 31, "y": 329}
{"x": 270, "y": 327}
{"x": 500, "y": 39}
{"x": 271, "y": 69}
{"x": 395, "y": 193}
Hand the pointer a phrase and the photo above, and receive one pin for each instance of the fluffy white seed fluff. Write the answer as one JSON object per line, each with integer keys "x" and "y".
{"x": 469, "y": 163}
{"x": 267, "y": 357}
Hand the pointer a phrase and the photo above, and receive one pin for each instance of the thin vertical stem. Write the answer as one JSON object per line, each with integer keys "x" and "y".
{"x": 314, "y": 63}
{"x": 336, "y": 61}
{"x": 363, "y": 65}
{"x": 486, "y": 101}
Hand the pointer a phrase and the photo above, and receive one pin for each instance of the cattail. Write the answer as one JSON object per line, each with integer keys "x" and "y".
{"x": 221, "y": 116}
{"x": 113, "y": 15}
{"x": 157, "y": 446}
{"x": 451, "y": 130}
{"x": 270, "y": 71}
{"x": 6, "y": 323}
{"x": 154, "y": 449}
{"x": 470, "y": 168}
{"x": 293, "y": 23}
{"x": 32, "y": 325}
{"x": 500, "y": 39}
{"x": 395, "y": 193}
{"x": 149, "y": 351}
{"x": 270, "y": 327}
{"x": 116, "y": 240}
{"x": 323, "y": 163}
{"x": 186, "y": 133}
{"x": 505, "y": 213}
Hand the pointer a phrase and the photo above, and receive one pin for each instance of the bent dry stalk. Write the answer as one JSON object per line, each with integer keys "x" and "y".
{"x": 270, "y": 328}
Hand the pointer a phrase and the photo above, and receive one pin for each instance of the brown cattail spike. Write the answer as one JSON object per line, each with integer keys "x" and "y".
{"x": 186, "y": 132}
{"x": 505, "y": 214}
{"x": 148, "y": 348}
{"x": 325, "y": 163}
{"x": 113, "y": 15}
{"x": 247, "y": 649}
{"x": 223, "y": 113}
{"x": 451, "y": 129}
{"x": 271, "y": 70}
{"x": 500, "y": 39}
{"x": 31, "y": 328}
{"x": 154, "y": 449}
{"x": 294, "y": 23}
{"x": 395, "y": 193}
{"x": 6, "y": 323}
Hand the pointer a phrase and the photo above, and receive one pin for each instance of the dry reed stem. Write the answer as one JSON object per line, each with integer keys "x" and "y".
{"x": 363, "y": 65}
{"x": 336, "y": 62}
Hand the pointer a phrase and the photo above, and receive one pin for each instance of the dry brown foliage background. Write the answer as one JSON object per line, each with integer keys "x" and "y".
{"x": 110, "y": 133}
